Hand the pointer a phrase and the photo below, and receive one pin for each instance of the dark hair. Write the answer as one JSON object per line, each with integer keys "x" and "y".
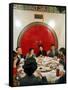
{"x": 17, "y": 48}
{"x": 30, "y": 66}
{"x": 14, "y": 54}
{"x": 31, "y": 49}
{"x": 63, "y": 50}
{"x": 52, "y": 44}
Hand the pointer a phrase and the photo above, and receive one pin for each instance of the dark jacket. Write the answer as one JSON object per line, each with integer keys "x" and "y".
{"x": 43, "y": 53}
{"x": 32, "y": 80}
{"x": 51, "y": 54}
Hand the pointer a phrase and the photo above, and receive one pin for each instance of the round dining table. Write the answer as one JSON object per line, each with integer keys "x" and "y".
{"x": 46, "y": 67}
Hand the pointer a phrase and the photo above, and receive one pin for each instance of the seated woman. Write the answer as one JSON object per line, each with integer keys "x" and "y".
{"x": 41, "y": 52}
{"x": 53, "y": 51}
{"x": 30, "y": 53}
{"x": 30, "y": 67}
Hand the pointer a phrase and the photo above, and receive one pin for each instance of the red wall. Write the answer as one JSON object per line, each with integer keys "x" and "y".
{"x": 36, "y": 35}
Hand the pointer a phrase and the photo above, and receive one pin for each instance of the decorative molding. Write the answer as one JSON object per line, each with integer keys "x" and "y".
{"x": 41, "y": 8}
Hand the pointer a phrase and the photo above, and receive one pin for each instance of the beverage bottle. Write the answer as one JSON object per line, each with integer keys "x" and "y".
{"x": 57, "y": 71}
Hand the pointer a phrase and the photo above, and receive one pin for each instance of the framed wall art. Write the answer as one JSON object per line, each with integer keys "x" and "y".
{"x": 37, "y": 44}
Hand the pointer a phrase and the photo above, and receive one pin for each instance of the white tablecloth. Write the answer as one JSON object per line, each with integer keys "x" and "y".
{"x": 50, "y": 75}
{"x": 42, "y": 62}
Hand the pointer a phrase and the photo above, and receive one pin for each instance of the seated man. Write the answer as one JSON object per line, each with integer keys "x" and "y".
{"x": 29, "y": 67}
{"x": 19, "y": 51}
{"x": 53, "y": 51}
{"x": 19, "y": 55}
{"x": 41, "y": 51}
